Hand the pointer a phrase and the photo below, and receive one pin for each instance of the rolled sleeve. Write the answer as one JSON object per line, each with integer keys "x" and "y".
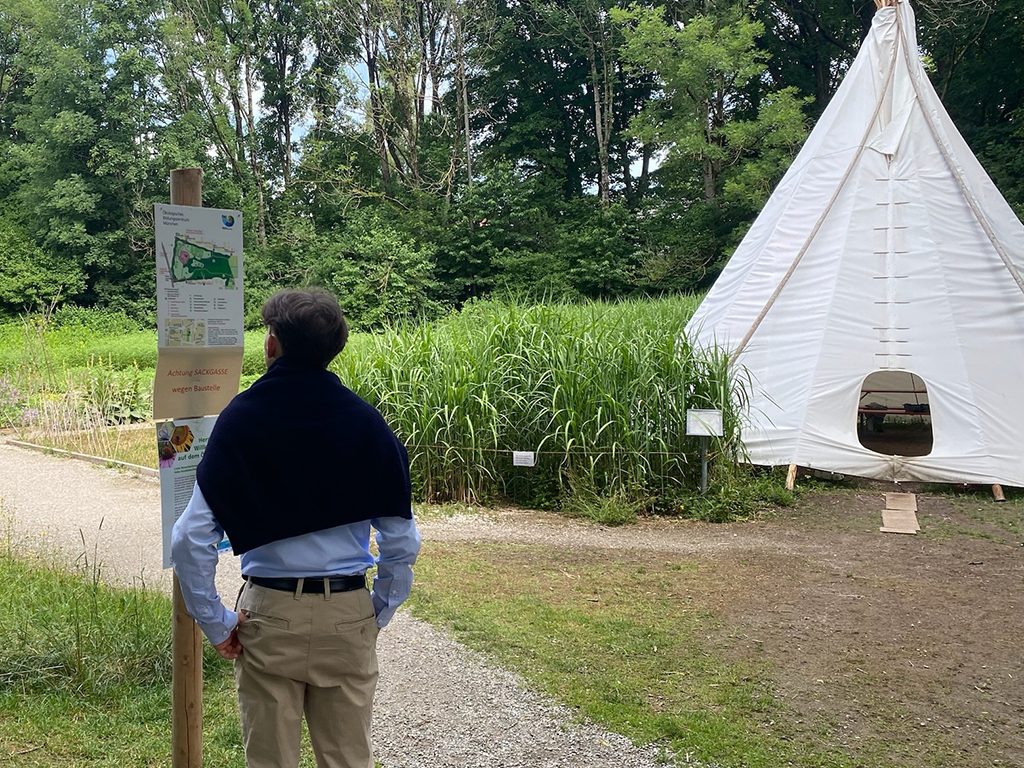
{"x": 194, "y": 541}
{"x": 398, "y": 542}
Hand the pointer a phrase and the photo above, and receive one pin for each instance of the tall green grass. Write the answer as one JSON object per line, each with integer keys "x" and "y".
{"x": 65, "y": 379}
{"x": 598, "y": 391}
{"x": 69, "y": 347}
{"x": 67, "y": 629}
{"x": 77, "y": 371}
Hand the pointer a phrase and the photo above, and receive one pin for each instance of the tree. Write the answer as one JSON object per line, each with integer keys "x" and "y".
{"x": 811, "y": 43}
{"x": 81, "y": 133}
{"x": 564, "y": 148}
{"x": 710, "y": 108}
{"x": 977, "y": 66}
{"x": 585, "y": 27}
{"x": 280, "y": 30}
{"x": 30, "y": 277}
{"x": 208, "y": 56}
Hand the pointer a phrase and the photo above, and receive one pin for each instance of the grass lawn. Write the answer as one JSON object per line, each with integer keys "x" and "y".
{"x": 619, "y": 640}
{"x": 85, "y": 673}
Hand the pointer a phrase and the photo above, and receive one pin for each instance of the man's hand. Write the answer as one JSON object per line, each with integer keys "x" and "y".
{"x": 232, "y": 648}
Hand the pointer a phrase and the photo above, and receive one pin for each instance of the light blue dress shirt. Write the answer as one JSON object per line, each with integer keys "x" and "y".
{"x": 340, "y": 551}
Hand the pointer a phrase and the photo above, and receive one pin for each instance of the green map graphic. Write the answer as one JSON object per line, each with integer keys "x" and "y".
{"x": 193, "y": 262}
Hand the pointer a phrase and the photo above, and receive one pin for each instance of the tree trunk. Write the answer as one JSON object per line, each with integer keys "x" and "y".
{"x": 254, "y": 160}
{"x": 424, "y": 63}
{"x": 604, "y": 185}
{"x": 708, "y": 175}
{"x": 464, "y": 98}
{"x": 371, "y": 46}
{"x": 644, "y": 182}
{"x": 378, "y": 128}
{"x": 236, "y": 106}
{"x": 608, "y": 81}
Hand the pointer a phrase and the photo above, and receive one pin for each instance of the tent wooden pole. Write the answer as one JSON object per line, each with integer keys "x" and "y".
{"x": 791, "y": 477}
{"x": 186, "y": 639}
{"x": 997, "y": 493}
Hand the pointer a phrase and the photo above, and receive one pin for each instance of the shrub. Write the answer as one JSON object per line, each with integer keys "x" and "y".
{"x": 106, "y": 322}
{"x": 736, "y": 493}
{"x": 379, "y": 274}
{"x": 30, "y": 276}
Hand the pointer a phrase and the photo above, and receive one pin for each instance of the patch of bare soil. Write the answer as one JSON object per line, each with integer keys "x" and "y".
{"x": 911, "y": 642}
{"x": 904, "y": 649}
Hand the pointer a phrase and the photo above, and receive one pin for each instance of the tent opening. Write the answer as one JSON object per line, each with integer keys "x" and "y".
{"x": 893, "y": 416}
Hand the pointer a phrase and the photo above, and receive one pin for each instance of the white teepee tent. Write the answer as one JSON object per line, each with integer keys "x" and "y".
{"x": 885, "y": 248}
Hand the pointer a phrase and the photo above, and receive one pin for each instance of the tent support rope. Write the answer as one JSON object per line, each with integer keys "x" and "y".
{"x": 821, "y": 219}
{"x": 964, "y": 189}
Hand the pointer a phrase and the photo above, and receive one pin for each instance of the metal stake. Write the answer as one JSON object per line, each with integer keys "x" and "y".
{"x": 703, "y": 463}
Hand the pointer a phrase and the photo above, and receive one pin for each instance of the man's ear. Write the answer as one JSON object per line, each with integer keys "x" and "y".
{"x": 272, "y": 346}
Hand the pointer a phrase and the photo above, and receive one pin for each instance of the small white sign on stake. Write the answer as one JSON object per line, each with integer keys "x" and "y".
{"x": 706, "y": 422}
{"x": 524, "y": 459}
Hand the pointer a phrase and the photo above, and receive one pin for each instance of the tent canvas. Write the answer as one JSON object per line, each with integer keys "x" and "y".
{"x": 885, "y": 247}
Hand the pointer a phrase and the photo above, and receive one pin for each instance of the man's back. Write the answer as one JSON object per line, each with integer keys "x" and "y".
{"x": 297, "y": 471}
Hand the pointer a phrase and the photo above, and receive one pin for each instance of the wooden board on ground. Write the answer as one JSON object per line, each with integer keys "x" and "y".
{"x": 899, "y": 521}
{"x": 901, "y": 501}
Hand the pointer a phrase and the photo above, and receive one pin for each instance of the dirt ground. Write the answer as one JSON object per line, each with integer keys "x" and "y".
{"x": 917, "y": 639}
{"x": 907, "y": 649}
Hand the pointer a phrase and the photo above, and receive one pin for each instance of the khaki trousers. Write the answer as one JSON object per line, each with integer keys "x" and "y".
{"x": 306, "y": 654}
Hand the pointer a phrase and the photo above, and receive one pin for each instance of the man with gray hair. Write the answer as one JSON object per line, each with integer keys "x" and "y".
{"x": 297, "y": 471}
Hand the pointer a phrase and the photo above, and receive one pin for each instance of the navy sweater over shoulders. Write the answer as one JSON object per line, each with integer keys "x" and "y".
{"x": 299, "y": 452}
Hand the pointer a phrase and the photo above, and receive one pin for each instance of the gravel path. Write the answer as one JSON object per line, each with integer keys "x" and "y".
{"x": 439, "y": 704}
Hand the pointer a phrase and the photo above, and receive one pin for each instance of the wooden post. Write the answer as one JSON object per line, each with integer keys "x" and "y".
{"x": 791, "y": 477}
{"x": 997, "y": 493}
{"x": 187, "y": 187}
{"x": 703, "y": 463}
{"x": 186, "y": 687}
{"x": 186, "y": 639}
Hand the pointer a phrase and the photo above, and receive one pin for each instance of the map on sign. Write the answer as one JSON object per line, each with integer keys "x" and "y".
{"x": 194, "y": 262}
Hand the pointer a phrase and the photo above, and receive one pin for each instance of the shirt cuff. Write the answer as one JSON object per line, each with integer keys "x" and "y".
{"x": 219, "y": 631}
{"x": 390, "y": 591}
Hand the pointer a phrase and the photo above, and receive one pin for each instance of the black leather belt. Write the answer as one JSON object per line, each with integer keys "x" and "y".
{"x": 312, "y": 584}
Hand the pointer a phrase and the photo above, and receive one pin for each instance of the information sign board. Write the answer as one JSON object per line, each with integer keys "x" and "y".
{"x": 180, "y": 444}
{"x": 706, "y": 422}
{"x": 200, "y": 338}
{"x": 200, "y": 318}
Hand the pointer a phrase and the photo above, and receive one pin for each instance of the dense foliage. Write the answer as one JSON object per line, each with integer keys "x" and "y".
{"x": 414, "y": 154}
{"x": 597, "y": 391}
